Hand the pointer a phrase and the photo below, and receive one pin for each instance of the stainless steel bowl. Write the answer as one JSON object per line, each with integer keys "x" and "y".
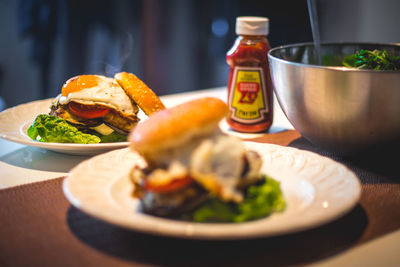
{"x": 340, "y": 109}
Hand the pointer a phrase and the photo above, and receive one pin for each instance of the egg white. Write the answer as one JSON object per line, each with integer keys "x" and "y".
{"x": 107, "y": 93}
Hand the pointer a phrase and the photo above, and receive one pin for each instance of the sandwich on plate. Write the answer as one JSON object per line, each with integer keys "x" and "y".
{"x": 196, "y": 172}
{"x": 95, "y": 108}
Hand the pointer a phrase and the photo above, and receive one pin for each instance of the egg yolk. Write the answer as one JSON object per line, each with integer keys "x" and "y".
{"x": 78, "y": 83}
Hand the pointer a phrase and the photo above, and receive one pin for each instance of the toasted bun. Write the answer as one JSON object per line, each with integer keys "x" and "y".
{"x": 137, "y": 90}
{"x": 174, "y": 127}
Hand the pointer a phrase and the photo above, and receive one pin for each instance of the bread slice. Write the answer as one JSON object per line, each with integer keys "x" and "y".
{"x": 137, "y": 90}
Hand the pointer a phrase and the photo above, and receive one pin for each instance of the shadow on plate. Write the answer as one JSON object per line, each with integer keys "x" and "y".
{"x": 299, "y": 248}
{"x": 42, "y": 159}
{"x": 377, "y": 165}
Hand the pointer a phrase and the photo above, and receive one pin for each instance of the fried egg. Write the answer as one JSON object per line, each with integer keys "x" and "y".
{"x": 97, "y": 90}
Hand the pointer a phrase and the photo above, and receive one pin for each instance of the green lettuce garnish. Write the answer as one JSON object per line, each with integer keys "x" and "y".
{"x": 111, "y": 138}
{"x": 260, "y": 201}
{"x": 49, "y": 128}
{"x": 375, "y": 60}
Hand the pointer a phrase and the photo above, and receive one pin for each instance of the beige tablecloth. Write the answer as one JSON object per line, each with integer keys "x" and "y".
{"x": 39, "y": 227}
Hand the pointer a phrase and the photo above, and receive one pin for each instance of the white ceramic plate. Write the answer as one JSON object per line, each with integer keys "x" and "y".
{"x": 14, "y": 123}
{"x": 317, "y": 190}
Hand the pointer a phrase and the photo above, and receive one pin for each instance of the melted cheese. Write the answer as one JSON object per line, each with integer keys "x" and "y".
{"x": 103, "y": 129}
{"x": 107, "y": 93}
{"x": 218, "y": 165}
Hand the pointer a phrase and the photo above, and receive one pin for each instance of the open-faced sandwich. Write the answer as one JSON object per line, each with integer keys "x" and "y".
{"x": 94, "y": 109}
{"x": 196, "y": 172}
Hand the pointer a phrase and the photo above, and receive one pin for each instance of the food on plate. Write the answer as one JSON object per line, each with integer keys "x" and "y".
{"x": 196, "y": 172}
{"x": 147, "y": 100}
{"x": 56, "y": 130}
{"x": 97, "y": 105}
{"x": 376, "y": 60}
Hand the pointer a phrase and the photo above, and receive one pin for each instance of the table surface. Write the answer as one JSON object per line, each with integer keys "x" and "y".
{"x": 20, "y": 164}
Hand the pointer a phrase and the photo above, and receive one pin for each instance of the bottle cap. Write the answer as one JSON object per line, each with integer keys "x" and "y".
{"x": 252, "y": 25}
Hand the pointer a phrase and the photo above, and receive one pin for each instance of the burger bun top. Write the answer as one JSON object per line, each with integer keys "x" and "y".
{"x": 173, "y": 128}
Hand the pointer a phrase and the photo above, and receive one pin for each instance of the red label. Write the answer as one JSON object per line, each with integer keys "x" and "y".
{"x": 249, "y": 91}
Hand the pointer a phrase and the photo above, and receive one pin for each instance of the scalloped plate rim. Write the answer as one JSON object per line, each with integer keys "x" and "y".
{"x": 188, "y": 230}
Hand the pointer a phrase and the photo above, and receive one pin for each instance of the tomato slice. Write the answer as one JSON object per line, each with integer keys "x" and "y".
{"x": 170, "y": 187}
{"x": 87, "y": 112}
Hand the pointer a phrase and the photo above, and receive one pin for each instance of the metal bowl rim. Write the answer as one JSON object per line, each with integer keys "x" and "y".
{"x": 336, "y": 68}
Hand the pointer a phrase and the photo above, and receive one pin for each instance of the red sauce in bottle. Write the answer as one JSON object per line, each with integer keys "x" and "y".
{"x": 249, "y": 84}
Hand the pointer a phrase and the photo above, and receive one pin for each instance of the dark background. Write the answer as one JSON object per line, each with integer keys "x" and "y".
{"x": 172, "y": 45}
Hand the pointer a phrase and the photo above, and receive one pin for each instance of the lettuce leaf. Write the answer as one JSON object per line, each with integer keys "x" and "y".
{"x": 111, "y": 138}
{"x": 260, "y": 201}
{"x": 49, "y": 128}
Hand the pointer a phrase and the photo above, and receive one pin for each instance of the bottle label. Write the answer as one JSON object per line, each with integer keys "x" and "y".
{"x": 248, "y": 101}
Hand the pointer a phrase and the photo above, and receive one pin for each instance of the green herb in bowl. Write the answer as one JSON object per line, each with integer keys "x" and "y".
{"x": 375, "y": 60}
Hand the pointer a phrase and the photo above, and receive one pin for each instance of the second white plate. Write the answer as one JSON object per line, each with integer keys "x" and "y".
{"x": 317, "y": 190}
{"x": 14, "y": 123}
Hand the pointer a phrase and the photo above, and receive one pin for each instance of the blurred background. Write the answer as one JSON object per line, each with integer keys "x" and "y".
{"x": 172, "y": 45}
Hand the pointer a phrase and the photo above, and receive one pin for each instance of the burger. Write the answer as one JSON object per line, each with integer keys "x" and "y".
{"x": 190, "y": 160}
{"x": 104, "y": 105}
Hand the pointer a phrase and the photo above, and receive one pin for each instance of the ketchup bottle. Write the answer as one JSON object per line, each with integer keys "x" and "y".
{"x": 249, "y": 84}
